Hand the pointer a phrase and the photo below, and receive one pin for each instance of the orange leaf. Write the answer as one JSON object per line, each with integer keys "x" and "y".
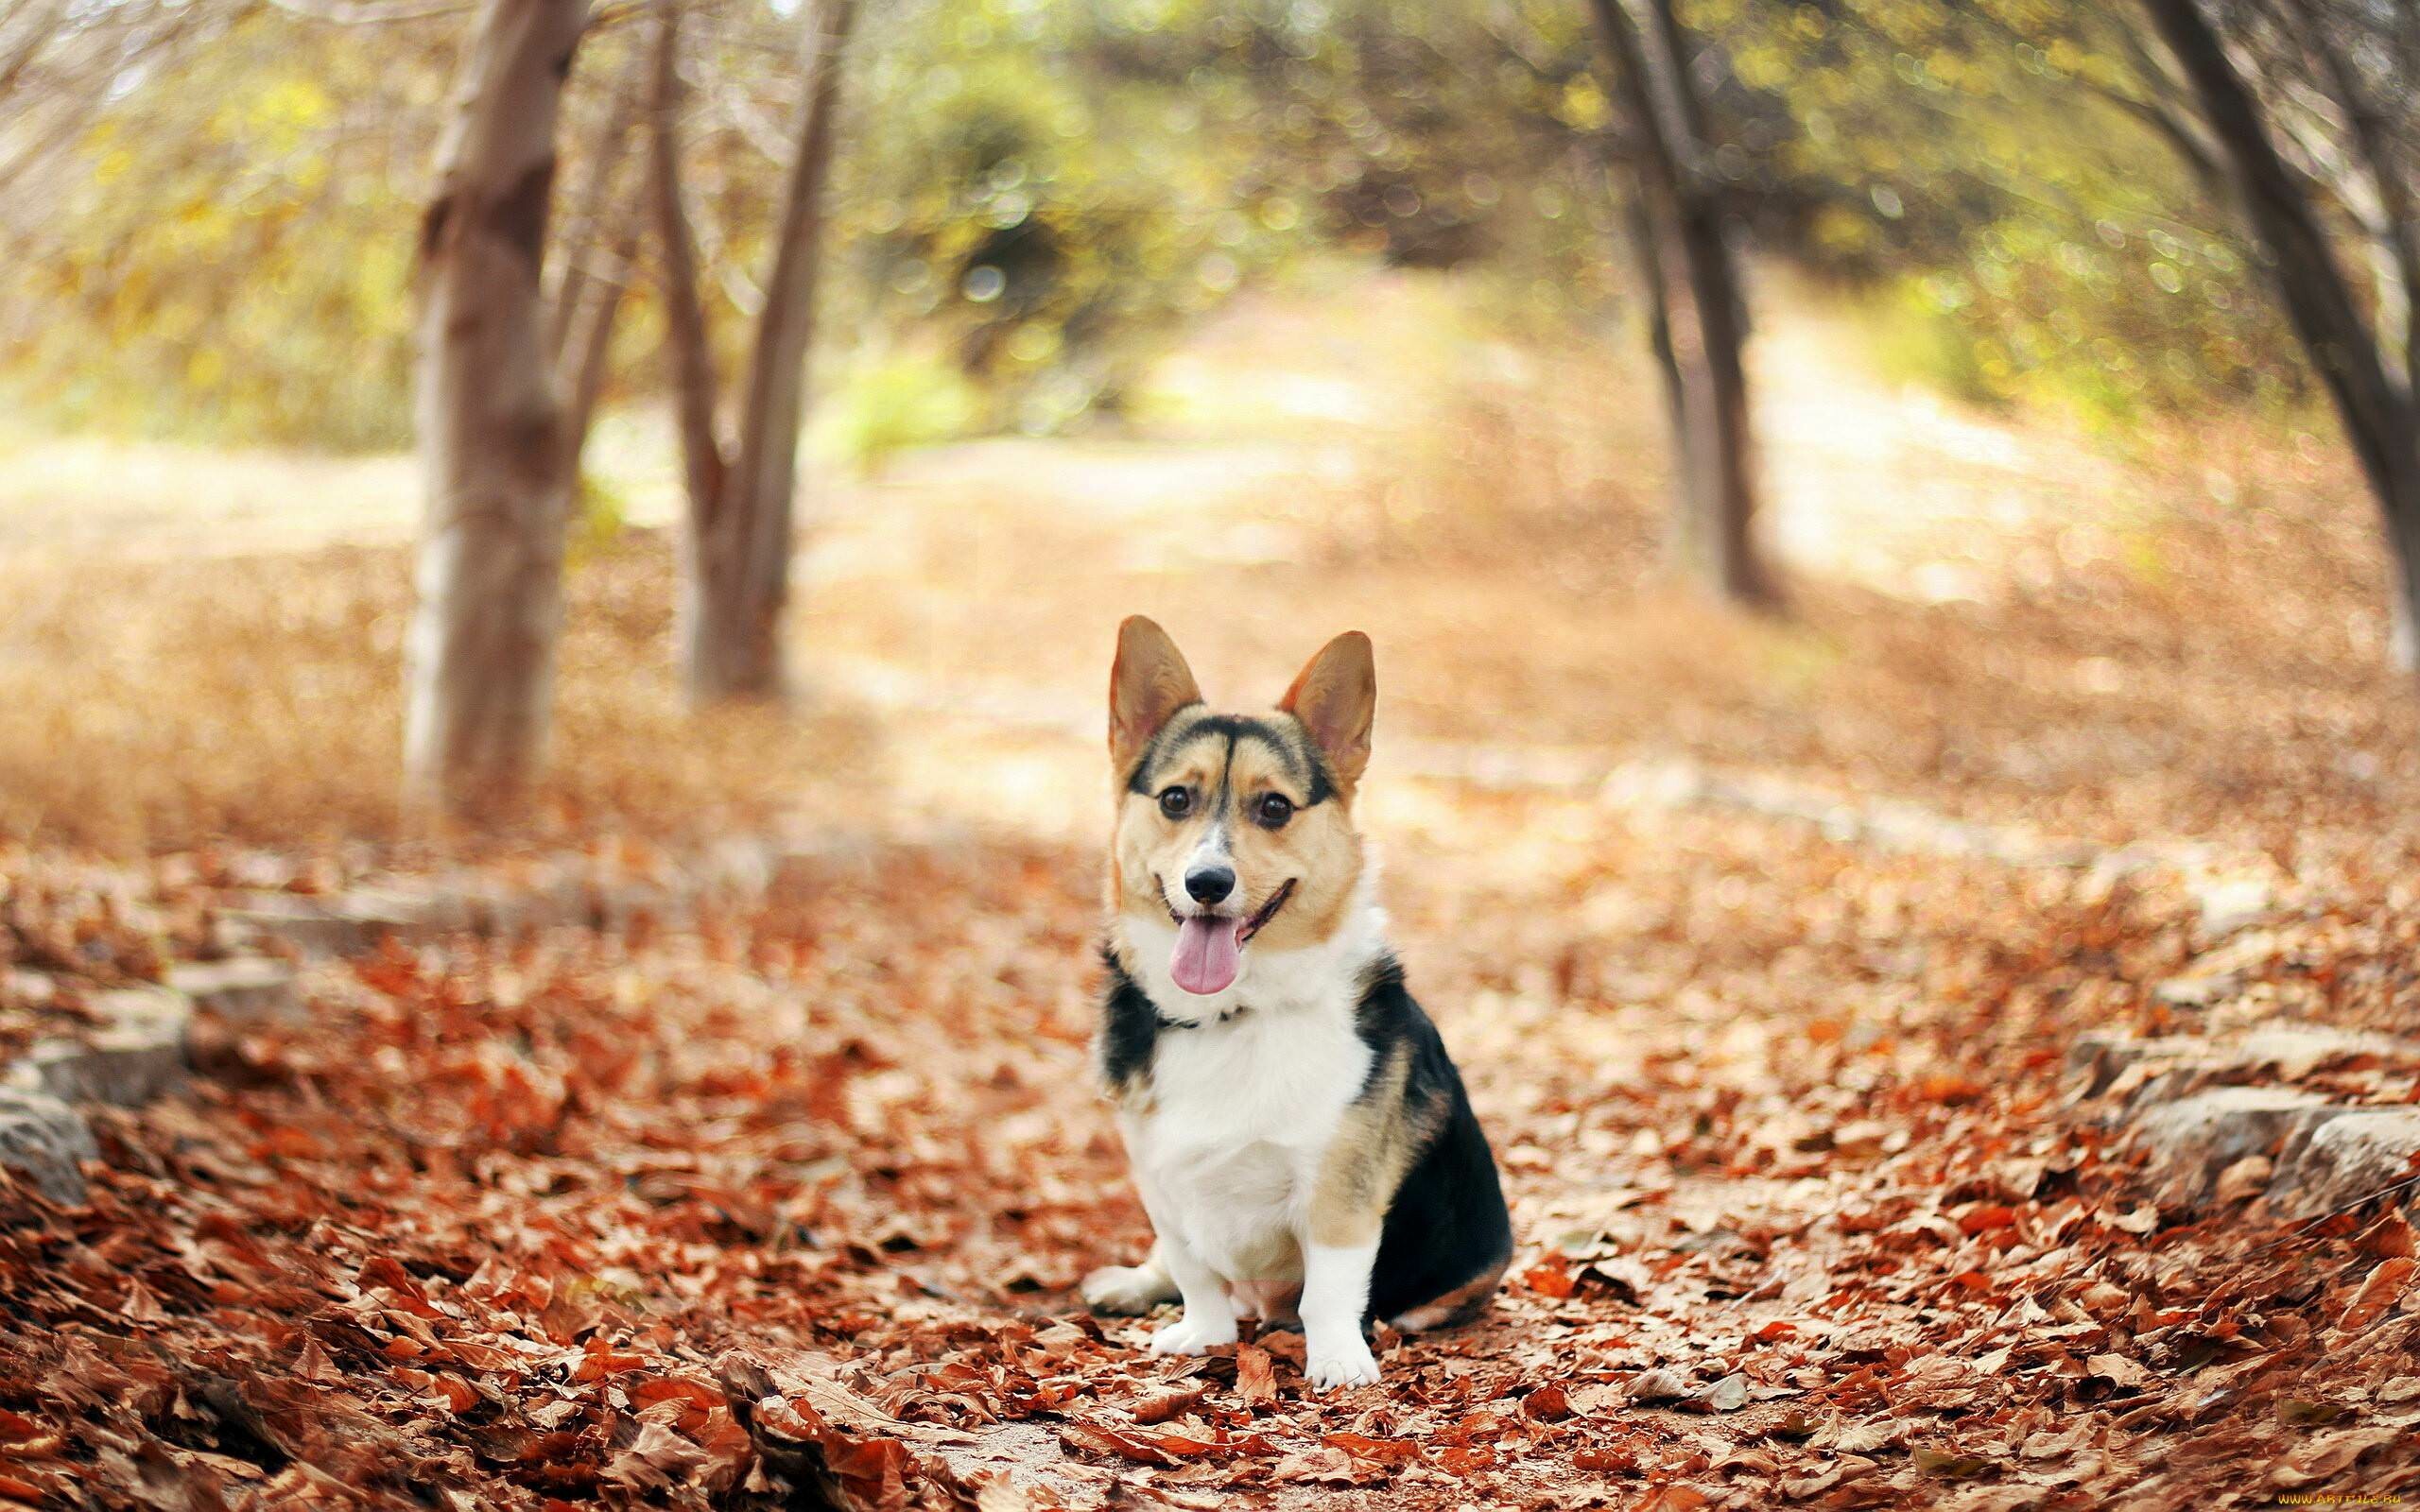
{"x": 1255, "y": 1375}
{"x": 1181, "y": 1397}
{"x": 2380, "y": 1293}
{"x": 1390, "y": 1452}
{"x": 1547, "y": 1404}
{"x": 1551, "y": 1276}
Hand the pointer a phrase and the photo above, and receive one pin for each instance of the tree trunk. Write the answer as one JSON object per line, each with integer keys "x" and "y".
{"x": 1713, "y": 437}
{"x": 1643, "y": 228}
{"x": 2378, "y": 413}
{"x": 588, "y": 210}
{"x": 480, "y": 654}
{"x": 738, "y": 539}
{"x": 581, "y": 367}
{"x": 703, "y": 457}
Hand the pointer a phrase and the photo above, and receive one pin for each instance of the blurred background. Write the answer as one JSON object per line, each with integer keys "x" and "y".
{"x": 559, "y": 561}
{"x": 1920, "y": 394}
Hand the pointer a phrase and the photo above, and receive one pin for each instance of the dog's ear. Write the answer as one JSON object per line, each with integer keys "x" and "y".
{"x": 1148, "y": 682}
{"x": 1336, "y": 696}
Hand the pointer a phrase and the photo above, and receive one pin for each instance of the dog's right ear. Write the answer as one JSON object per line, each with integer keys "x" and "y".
{"x": 1148, "y": 682}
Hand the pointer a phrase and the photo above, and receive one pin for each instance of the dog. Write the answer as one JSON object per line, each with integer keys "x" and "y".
{"x": 1301, "y": 1140}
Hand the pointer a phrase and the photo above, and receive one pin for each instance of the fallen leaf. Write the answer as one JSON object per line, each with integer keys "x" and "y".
{"x": 1255, "y": 1375}
{"x": 2380, "y": 1293}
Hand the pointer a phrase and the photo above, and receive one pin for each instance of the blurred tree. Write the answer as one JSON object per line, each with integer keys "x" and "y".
{"x": 598, "y": 256}
{"x": 2338, "y": 78}
{"x": 1680, "y": 243}
{"x": 500, "y": 469}
{"x": 1996, "y": 182}
{"x": 737, "y": 545}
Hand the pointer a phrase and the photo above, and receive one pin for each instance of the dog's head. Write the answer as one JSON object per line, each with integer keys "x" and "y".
{"x": 1233, "y": 831}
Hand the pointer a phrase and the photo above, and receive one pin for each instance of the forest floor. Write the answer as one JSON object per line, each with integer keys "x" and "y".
{"x": 1763, "y": 946}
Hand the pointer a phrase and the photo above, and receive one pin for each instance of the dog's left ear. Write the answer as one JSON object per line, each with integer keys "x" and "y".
{"x": 1336, "y": 696}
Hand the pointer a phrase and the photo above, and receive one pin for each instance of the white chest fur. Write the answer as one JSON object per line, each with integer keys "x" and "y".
{"x": 1228, "y": 1141}
{"x": 1229, "y": 1137}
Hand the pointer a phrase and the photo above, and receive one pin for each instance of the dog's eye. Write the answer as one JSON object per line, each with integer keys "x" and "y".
{"x": 1273, "y": 809}
{"x": 1176, "y": 802}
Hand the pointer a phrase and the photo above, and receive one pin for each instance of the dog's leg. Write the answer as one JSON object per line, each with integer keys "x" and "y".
{"x": 1129, "y": 1290}
{"x": 1209, "y": 1318}
{"x": 1336, "y": 1289}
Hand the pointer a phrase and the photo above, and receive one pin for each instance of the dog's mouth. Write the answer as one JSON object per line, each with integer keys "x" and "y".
{"x": 1209, "y": 947}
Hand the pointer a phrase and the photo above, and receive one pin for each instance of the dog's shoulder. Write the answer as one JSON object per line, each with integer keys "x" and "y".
{"x": 1130, "y": 1028}
{"x": 1400, "y": 1034}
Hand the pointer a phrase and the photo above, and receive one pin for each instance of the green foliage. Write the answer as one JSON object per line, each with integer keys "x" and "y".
{"x": 1030, "y": 197}
{"x": 2030, "y": 237}
{"x": 891, "y": 405}
{"x": 602, "y": 515}
{"x": 232, "y": 258}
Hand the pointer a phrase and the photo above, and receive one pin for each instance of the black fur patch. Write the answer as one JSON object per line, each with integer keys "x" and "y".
{"x": 1130, "y": 1027}
{"x": 1447, "y": 1225}
{"x": 1282, "y": 736}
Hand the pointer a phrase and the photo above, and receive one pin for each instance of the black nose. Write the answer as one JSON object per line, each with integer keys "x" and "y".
{"x": 1210, "y": 884}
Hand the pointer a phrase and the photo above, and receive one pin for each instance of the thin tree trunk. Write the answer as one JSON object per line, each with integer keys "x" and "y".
{"x": 704, "y": 460}
{"x": 2378, "y": 413}
{"x": 1643, "y": 228}
{"x": 587, "y": 214}
{"x": 586, "y": 361}
{"x": 2399, "y": 235}
{"x": 739, "y": 560}
{"x": 1714, "y": 437}
{"x": 480, "y": 654}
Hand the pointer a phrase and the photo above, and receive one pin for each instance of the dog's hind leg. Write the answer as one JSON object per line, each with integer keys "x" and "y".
{"x": 1130, "y": 1290}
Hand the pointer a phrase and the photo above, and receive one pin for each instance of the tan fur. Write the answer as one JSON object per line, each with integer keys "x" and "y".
{"x": 1381, "y": 1135}
{"x": 1318, "y": 849}
{"x": 1336, "y": 698}
{"x": 1148, "y": 681}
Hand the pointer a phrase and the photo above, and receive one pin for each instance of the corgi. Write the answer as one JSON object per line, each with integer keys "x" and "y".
{"x": 1301, "y": 1140}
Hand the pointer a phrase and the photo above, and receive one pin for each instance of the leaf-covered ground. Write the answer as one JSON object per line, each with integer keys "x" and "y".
{"x": 786, "y": 1205}
{"x": 568, "y": 1216}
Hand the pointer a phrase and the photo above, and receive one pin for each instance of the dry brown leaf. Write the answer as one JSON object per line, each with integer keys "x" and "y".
{"x": 1255, "y": 1375}
{"x": 2381, "y": 1293}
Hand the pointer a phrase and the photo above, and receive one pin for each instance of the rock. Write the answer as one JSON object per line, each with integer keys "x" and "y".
{"x": 2245, "y": 1179}
{"x": 137, "y": 1052}
{"x": 2194, "y": 1137}
{"x": 241, "y": 987}
{"x": 403, "y": 907}
{"x": 2231, "y": 905}
{"x": 301, "y": 922}
{"x": 47, "y": 1141}
{"x": 741, "y": 866}
{"x": 2293, "y": 1051}
{"x": 2198, "y": 991}
{"x": 2101, "y": 1058}
{"x": 2337, "y": 1162}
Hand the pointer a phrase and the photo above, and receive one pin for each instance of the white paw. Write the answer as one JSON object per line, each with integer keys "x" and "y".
{"x": 1196, "y": 1332}
{"x": 1126, "y": 1290}
{"x": 1340, "y": 1362}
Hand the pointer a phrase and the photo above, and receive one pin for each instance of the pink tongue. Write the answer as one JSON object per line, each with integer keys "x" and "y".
{"x": 1206, "y": 954}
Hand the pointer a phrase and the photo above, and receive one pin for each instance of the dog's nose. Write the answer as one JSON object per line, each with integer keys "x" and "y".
{"x": 1210, "y": 884}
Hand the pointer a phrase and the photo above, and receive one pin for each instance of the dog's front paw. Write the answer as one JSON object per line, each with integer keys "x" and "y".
{"x": 1346, "y": 1362}
{"x": 1196, "y": 1332}
{"x": 1127, "y": 1291}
